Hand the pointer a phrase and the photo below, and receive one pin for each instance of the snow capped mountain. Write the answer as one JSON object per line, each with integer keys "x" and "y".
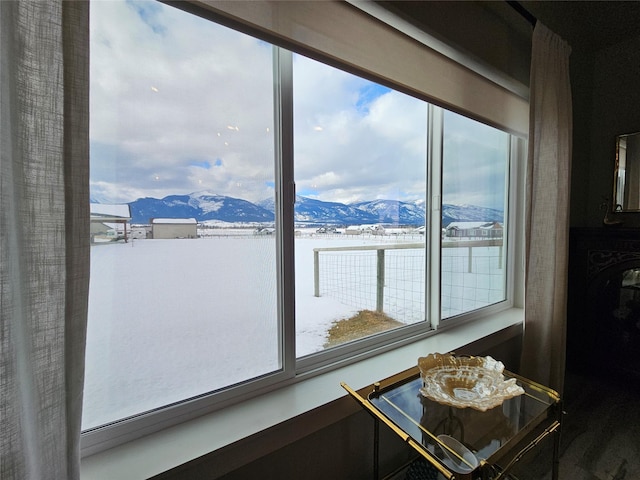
{"x": 394, "y": 212}
{"x": 313, "y": 211}
{"x": 308, "y": 210}
{"x": 470, "y": 213}
{"x": 201, "y": 206}
{"x": 268, "y": 204}
{"x": 208, "y": 206}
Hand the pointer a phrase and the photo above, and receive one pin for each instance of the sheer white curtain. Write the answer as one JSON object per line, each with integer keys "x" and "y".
{"x": 44, "y": 235}
{"x": 548, "y": 182}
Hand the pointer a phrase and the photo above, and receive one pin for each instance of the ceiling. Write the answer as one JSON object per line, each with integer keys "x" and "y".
{"x": 589, "y": 25}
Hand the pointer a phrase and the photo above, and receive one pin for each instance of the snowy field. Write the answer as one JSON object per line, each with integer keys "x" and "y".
{"x": 171, "y": 319}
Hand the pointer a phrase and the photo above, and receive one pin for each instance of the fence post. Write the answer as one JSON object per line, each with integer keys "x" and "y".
{"x": 380, "y": 281}
{"x": 470, "y": 266}
{"x": 316, "y": 273}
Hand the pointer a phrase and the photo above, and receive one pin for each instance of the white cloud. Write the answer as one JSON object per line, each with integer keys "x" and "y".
{"x": 165, "y": 97}
{"x": 371, "y": 144}
{"x": 475, "y": 163}
{"x": 179, "y": 104}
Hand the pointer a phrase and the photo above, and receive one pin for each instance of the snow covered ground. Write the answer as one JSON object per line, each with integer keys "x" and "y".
{"x": 172, "y": 319}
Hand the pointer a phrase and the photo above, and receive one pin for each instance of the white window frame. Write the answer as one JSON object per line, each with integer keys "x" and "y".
{"x": 297, "y": 370}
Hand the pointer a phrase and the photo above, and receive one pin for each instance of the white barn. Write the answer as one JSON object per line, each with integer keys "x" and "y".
{"x": 109, "y": 222}
{"x": 174, "y": 228}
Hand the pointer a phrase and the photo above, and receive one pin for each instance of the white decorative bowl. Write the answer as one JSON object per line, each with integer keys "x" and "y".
{"x": 461, "y": 382}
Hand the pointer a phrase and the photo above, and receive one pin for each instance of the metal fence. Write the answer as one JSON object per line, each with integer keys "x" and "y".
{"x": 391, "y": 278}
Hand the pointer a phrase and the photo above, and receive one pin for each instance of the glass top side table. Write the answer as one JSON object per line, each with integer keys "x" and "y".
{"x": 497, "y": 438}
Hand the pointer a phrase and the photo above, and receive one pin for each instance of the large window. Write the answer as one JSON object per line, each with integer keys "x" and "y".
{"x": 360, "y": 170}
{"x": 475, "y": 182}
{"x": 182, "y": 145}
{"x": 212, "y": 276}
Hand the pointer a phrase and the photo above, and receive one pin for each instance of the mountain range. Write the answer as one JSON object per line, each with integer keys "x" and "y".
{"x": 206, "y": 206}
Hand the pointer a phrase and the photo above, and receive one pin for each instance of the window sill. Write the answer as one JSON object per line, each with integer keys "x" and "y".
{"x": 169, "y": 448}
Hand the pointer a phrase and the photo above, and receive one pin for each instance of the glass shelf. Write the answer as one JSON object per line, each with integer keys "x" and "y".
{"x": 492, "y": 436}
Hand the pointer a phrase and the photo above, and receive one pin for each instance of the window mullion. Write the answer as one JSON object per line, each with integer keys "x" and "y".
{"x": 285, "y": 200}
{"x": 515, "y": 231}
{"x": 434, "y": 214}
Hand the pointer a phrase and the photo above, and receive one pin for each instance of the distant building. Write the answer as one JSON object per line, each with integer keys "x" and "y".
{"x": 360, "y": 229}
{"x": 353, "y": 230}
{"x": 375, "y": 229}
{"x": 141, "y": 232}
{"x": 163, "y": 228}
{"x": 109, "y": 222}
{"x": 474, "y": 230}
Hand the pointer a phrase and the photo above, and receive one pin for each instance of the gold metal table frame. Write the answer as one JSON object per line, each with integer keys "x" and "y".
{"x": 499, "y": 437}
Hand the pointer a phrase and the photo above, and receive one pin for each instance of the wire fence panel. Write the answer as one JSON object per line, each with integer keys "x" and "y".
{"x": 387, "y": 278}
{"x": 350, "y": 277}
{"x": 405, "y": 285}
{"x": 391, "y": 278}
{"x": 471, "y": 280}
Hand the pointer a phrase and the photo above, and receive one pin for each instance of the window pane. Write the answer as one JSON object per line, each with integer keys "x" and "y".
{"x": 474, "y": 201}
{"x": 181, "y": 133}
{"x": 360, "y": 172}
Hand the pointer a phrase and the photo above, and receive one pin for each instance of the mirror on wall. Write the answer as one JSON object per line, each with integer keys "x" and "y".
{"x": 626, "y": 186}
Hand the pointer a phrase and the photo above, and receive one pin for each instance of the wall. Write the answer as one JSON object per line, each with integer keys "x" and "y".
{"x": 491, "y": 32}
{"x": 615, "y": 99}
{"x": 341, "y": 450}
{"x": 581, "y": 69}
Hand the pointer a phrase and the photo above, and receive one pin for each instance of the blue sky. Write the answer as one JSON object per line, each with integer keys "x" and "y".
{"x": 149, "y": 13}
{"x": 368, "y": 94}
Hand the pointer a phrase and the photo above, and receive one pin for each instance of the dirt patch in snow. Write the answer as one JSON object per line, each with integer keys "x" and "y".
{"x": 362, "y": 324}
